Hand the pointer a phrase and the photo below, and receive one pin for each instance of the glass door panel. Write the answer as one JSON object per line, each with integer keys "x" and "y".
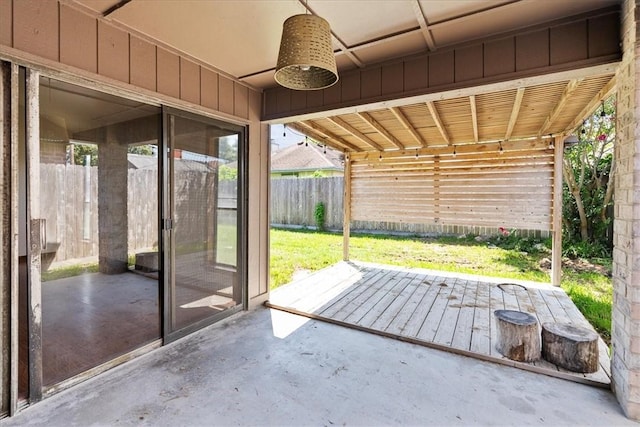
{"x": 98, "y": 169}
{"x": 203, "y": 204}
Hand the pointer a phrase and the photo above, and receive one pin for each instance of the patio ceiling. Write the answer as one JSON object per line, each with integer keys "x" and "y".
{"x": 241, "y": 39}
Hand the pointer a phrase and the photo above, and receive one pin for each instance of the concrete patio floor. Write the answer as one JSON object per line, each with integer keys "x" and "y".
{"x": 267, "y": 367}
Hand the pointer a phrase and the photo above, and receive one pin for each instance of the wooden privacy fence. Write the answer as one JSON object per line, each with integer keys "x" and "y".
{"x": 293, "y": 203}
{"x": 69, "y": 204}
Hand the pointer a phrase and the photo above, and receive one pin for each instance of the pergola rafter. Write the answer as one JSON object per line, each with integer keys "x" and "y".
{"x": 380, "y": 129}
{"x": 514, "y": 112}
{"x": 340, "y": 122}
{"x": 436, "y": 118}
{"x": 397, "y": 112}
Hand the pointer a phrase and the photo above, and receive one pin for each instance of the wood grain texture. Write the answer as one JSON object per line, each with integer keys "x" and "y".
{"x": 447, "y": 311}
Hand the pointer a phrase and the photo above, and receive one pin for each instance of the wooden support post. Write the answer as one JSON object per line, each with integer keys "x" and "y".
{"x": 556, "y": 226}
{"x": 7, "y": 302}
{"x": 14, "y": 105}
{"x": 35, "y": 234}
{"x": 346, "y": 224}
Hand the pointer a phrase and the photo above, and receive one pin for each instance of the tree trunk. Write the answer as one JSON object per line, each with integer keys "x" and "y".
{"x": 574, "y": 189}
{"x": 609, "y": 193}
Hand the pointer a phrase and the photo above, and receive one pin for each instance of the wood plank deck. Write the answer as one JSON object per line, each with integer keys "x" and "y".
{"x": 448, "y": 311}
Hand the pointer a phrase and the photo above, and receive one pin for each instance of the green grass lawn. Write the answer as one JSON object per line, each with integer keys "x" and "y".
{"x": 298, "y": 250}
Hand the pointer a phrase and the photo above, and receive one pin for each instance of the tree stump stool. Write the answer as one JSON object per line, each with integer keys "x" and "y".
{"x": 571, "y": 347}
{"x": 518, "y": 336}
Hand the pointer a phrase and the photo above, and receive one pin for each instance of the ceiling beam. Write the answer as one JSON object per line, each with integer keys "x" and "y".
{"x": 436, "y": 118}
{"x": 511, "y": 148}
{"x": 322, "y": 135}
{"x": 343, "y": 47}
{"x": 602, "y": 94}
{"x": 553, "y": 115}
{"x": 378, "y": 127}
{"x": 474, "y": 117}
{"x": 408, "y": 126}
{"x": 355, "y": 132}
{"x": 514, "y": 113}
{"x": 424, "y": 27}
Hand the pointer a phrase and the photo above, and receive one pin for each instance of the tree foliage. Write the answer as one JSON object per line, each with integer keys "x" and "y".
{"x": 227, "y": 173}
{"x": 80, "y": 151}
{"x": 589, "y": 172}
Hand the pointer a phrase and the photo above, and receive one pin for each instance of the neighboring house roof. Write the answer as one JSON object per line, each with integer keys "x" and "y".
{"x": 138, "y": 161}
{"x": 306, "y": 157}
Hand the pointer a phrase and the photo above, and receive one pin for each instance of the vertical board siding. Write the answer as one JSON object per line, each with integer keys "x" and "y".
{"x": 36, "y": 27}
{"x": 209, "y": 89}
{"x": 190, "y": 81}
{"x": 61, "y": 32}
{"x": 143, "y": 63}
{"x": 113, "y": 52}
{"x": 469, "y": 63}
{"x": 6, "y": 23}
{"x": 557, "y": 46}
{"x": 569, "y": 42}
{"x": 532, "y": 50}
{"x": 240, "y": 101}
{"x": 78, "y": 39}
{"x": 168, "y": 73}
{"x": 499, "y": 57}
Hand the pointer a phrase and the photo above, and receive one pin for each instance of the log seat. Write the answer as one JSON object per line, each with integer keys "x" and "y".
{"x": 571, "y": 347}
{"x": 518, "y": 336}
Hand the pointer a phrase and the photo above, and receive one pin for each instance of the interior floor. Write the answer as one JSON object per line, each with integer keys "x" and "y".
{"x": 92, "y": 318}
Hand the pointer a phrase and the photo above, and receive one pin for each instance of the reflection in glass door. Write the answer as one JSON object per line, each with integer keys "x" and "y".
{"x": 203, "y": 247}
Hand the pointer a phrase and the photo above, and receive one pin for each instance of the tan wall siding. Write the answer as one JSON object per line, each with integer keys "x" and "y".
{"x": 258, "y": 260}
{"x": 474, "y": 189}
{"x": 625, "y": 328}
{"x": 575, "y": 42}
{"x": 61, "y": 33}
{"x": 77, "y": 40}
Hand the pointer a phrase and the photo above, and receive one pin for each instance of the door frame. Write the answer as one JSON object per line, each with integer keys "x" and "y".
{"x": 166, "y": 223}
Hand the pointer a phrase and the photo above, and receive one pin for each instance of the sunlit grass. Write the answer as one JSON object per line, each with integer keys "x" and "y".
{"x": 307, "y": 250}
{"x": 303, "y": 250}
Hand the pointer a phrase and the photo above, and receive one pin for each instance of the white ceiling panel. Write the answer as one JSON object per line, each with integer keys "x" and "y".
{"x": 401, "y": 45}
{"x": 239, "y": 37}
{"x": 359, "y": 21}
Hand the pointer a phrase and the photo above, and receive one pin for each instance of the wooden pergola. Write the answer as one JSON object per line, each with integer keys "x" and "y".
{"x": 487, "y": 156}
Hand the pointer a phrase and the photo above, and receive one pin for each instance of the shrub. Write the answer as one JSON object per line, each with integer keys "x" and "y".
{"x": 319, "y": 213}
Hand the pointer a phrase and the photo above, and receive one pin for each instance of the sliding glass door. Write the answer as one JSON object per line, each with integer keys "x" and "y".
{"x": 202, "y": 221}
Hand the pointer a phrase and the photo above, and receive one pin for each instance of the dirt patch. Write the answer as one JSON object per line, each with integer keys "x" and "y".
{"x": 578, "y": 264}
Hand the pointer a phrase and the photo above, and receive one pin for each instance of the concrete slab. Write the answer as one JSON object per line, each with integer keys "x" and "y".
{"x": 267, "y": 367}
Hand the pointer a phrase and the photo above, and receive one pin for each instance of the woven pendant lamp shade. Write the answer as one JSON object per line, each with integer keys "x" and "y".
{"x": 306, "y": 60}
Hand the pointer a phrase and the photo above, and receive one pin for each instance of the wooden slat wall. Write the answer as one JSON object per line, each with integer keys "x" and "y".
{"x": 512, "y": 190}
